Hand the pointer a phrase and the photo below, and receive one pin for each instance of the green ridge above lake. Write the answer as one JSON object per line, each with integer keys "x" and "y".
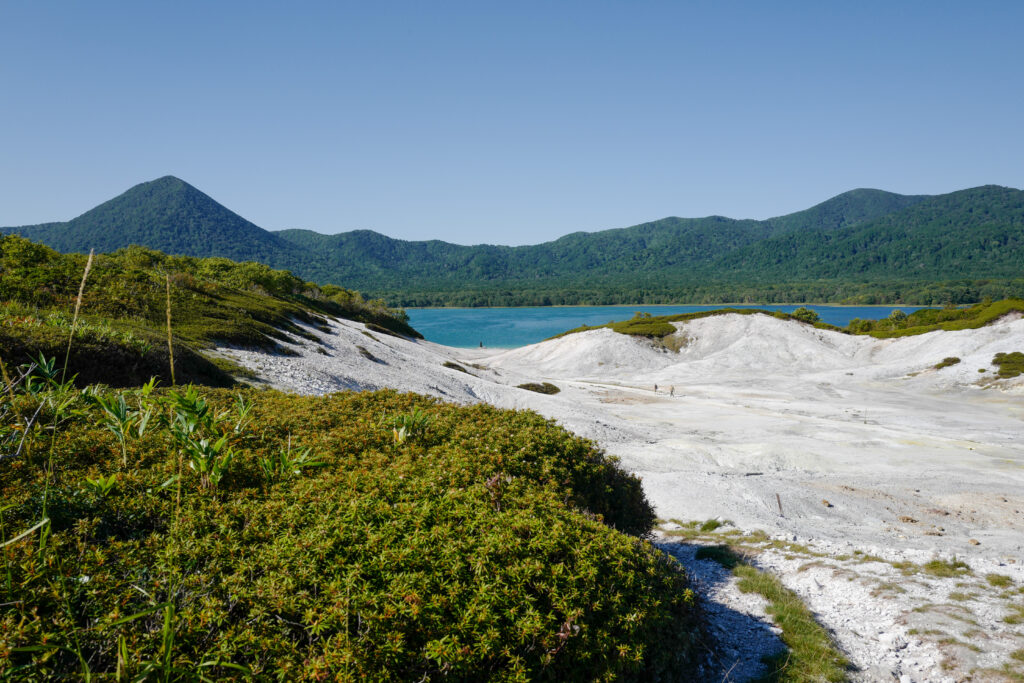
{"x": 864, "y": 246}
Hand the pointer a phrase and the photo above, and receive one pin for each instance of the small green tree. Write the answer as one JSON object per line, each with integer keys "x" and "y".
{"x": 804, "y": 314}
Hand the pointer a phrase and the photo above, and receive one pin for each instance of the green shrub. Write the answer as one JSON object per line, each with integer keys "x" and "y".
{"x": 1009, "y": 364}
{"x": 481, "y": 549}
{"x": 946, "y": 362}
{"x": 806, "y": 315}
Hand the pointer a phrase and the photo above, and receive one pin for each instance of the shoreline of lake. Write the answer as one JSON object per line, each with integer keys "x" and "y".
{"x": 515, "y": 326}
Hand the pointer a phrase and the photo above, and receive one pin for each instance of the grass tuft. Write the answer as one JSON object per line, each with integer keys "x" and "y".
{"x": 999, "y": 580}
{"x": 946, "y": 568}
{"x": 455, "y": 366}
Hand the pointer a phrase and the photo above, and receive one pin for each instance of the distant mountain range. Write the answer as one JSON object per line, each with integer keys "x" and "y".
{"x": 865, "y": 246}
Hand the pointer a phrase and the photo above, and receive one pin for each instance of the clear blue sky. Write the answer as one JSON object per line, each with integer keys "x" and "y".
{"x": 509, "y": 123}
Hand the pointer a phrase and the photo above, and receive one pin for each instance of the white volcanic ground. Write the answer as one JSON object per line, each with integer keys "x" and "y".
{"x": 870, "y": 451}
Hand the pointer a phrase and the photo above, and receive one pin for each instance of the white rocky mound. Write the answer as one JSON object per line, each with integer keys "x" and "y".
{"x": 847, "y": 443}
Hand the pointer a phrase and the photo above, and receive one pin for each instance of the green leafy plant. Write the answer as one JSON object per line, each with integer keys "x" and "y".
{"x": 119, "y": 419}
{"x": 243, "y": 413}
{"x": 284, "y": 464}
{"x": 101, "y": 486}
{"x": 409, "y": 426}
{"x": 210, "y": 459}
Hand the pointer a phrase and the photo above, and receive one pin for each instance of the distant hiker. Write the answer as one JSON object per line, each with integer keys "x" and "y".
{"x": 671, "y": 391}
{"x": 481, "y": 345}
{"x": 655, "y": 388}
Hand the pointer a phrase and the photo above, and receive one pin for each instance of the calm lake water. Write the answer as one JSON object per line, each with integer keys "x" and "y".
{"x": 512, "y": 327}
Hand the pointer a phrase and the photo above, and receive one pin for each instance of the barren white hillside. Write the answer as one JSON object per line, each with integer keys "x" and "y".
{"x": 846, "y": 443}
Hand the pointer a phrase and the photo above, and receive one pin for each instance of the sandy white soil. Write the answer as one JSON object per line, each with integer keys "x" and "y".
{"x": 849, "y": 445}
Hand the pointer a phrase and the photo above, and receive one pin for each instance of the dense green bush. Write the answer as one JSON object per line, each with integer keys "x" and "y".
{"x": 477, "y": 547}
{"x": 806, "y": 315}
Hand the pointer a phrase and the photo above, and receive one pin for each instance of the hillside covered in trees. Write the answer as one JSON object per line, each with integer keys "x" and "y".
{"x": 863, "y": 246}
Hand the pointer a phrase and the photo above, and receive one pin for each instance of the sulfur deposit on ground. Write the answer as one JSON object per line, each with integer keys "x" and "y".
{"x": 839, "y": 447}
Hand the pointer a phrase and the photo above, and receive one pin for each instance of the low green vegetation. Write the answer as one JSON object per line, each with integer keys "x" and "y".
{"x": 180, "y": 534}
{"x": 540, "y": 388}
{"x": 897, "y": 324}
{"x": 811, "y": 655}
{"x": 806, "y": 315}
{"x": 932, "y": 319}
{"x": 120, "y": 335}
{"x": 1009, "y": 364}
{"x": 452, "y": 365}
{"x": 999, "y": 580}
{"x": 646, "y": 325}
{"x": 946, "y": 362}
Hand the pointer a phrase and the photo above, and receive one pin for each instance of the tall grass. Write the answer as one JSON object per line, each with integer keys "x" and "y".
{"x": 170, "y": 346}
{"x": 78, "y": 308}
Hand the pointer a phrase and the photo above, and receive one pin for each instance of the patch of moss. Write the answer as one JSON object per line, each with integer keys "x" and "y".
{"x": 999, "y": 580}
{"x": 946, "y": 362}
{"x": 946, "y": 568}
{"x": 541, "y": 388}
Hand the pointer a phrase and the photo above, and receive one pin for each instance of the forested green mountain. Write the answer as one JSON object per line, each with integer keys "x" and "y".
{"x": 374, "y": 261}
{"x": 970, "y": 233}
{"x": 863, "y": 246}
{"x": 171, "y": 216}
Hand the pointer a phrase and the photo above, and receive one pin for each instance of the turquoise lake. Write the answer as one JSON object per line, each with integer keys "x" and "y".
{"x": 513, "y": 327}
